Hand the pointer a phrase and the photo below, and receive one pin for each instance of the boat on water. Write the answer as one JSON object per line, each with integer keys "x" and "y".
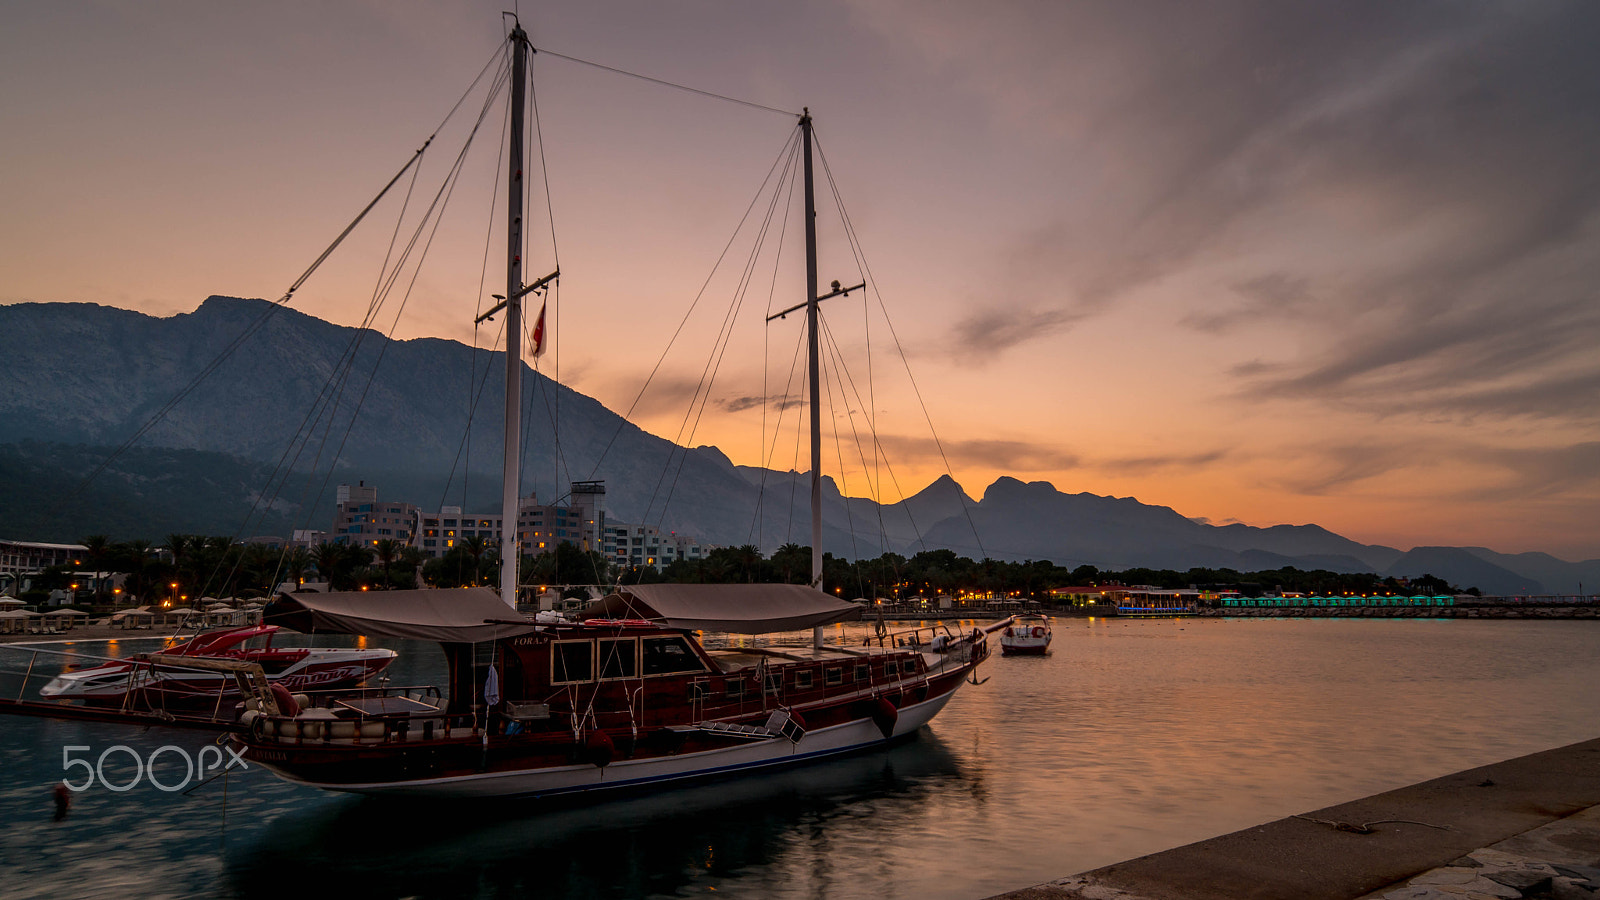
{"x": 141, "y": 683}
{"x": 627, "y": 695}
{"x": 1026, "y": 635}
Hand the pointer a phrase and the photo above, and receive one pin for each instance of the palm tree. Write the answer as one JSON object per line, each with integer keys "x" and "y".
{"x": 387, "y": 549}
{"x": 139, "y": 551}
{"x": 296, "y": 562}
{"x": 178, "y": 546}
{"x": 475, "y": 547}
{"x": 411, "y": 558}
{"x": 96, "y": 546}
{"x": 326, "y": 557}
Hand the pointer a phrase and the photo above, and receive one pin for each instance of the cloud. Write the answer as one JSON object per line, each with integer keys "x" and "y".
{"x": 1029, "y": 456}
{"x": 1008, "y": 456}
{"x": 754, "y": 401}
{"x": 1540, "y": 472}
{"x": 1333, "y": 469}
{"x": 1274, "y": 294}
{"x": 1144, "y": 465}
{"x": 1407, "y": 188}
{"x": 994, "y": 330}
{"x": 1483, "y": 472}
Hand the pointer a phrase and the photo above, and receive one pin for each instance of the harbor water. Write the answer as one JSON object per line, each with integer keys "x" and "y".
{"x": 1130, "y": 737}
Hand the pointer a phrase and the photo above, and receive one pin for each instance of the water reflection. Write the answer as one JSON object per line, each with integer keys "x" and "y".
{"x": 1129, "y": 738}
{"x": 662, "y": 844}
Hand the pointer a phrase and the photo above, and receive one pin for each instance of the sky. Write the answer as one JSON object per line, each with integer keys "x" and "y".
{"x": 1273, "y": 262}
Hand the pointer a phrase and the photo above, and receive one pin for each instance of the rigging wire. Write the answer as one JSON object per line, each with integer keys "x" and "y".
{"x": 435, "y": 214}
{"x": 260, "y": 322}
{"x": 872, "y": 281}
{"x": 385, "y": 284}
{"x": 718, "y": 353}
{"x": 794, "y": 136}
{"x": 766, "y": 333}
{"x": 476, "y": 395}
{"x": 333, "y": 389}
{"x": 670, "y": 84}
{"x": 843, "y": 482}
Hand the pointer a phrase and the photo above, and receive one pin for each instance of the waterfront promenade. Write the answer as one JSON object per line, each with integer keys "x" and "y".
{"x": 1526, "y": 827}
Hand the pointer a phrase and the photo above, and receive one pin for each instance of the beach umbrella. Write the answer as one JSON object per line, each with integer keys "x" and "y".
{"x": 16, "y": 614}
{"x": 10, "y": 601}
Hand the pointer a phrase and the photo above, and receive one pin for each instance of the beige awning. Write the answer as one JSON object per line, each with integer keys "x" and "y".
{"x": 737, "y": 608}
{"x": 437, "y": 614}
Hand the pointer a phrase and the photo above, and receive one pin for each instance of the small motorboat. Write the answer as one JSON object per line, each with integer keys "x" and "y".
{"x": 1026, "y": 635}
{"x": 138, "y": 680}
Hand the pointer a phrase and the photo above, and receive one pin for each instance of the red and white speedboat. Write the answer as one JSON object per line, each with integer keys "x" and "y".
{"x": 144, "y": 683}
{"x": 1026, "y": 635}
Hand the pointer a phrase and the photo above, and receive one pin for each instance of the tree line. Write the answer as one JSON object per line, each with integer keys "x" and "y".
{"x": 187, "y": 567}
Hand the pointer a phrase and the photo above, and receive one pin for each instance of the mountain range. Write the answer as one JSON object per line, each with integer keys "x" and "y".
{"x": 260, "y": 436}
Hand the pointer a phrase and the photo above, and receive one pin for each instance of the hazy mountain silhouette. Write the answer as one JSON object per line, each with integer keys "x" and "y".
{"x": 82, "y": 378}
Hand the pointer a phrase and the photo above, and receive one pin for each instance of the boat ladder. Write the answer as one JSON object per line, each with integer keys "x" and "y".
{"x": 747, "y": 732}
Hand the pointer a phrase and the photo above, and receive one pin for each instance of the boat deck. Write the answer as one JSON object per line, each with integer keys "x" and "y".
{"x": 732, "y": 660}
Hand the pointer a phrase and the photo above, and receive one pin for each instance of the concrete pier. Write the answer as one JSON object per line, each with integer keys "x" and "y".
{"x": 1526, "y": 827}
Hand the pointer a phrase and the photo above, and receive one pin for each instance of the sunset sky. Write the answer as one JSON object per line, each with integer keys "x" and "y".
{"x": 1259, "y": 262}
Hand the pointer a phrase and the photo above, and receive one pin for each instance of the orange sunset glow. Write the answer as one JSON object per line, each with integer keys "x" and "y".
{"x": 1261, "y": 264}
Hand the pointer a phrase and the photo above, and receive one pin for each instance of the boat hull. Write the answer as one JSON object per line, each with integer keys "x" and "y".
{"x": 849, "y": 737}
{"x": 1025, "y": 649}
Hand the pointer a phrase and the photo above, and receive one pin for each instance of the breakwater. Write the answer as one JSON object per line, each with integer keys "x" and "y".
{"x": 1458, "y": 611}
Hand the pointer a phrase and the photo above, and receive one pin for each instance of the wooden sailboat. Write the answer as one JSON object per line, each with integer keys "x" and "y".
{"x": 626, "y": 697}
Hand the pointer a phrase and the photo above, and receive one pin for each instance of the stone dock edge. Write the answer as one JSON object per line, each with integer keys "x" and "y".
{"x": 1529, "y": 816}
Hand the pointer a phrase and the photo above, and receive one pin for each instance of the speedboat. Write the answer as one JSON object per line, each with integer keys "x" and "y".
{"x": 141, "y": 682}
{"x": 1026, "y": 635}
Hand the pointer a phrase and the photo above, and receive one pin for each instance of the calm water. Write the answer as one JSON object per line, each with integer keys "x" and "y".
{"x": 1130, "y": 738}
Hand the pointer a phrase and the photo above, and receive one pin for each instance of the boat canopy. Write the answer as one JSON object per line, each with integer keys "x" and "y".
{"x": 736, "y": 608}
{"x": 438, "y": 614}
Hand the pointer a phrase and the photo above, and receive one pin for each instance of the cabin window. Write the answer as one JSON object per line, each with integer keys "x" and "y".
{"x": 774, "y": 683}
{"x": 697, "y": 692}
{"x": 863, "y": 673}
{"x": 571, "y": 661}
{"x": 735, "y": 688}
{"x": 833, "y": 675}
{"x": 669, "y": 655}
{"x": 619, "y": 658}
{"x": 909, "y": 667}
{"x": 802, "y": 680}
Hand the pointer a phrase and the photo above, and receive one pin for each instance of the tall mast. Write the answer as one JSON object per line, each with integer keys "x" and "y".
{"x": 811, "y": 340}
{"x": 510, "y": 548}
{"x": 814, "y": 368}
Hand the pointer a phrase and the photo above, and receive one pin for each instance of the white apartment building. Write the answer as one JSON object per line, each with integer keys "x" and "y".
{"x": 645, "y": 545}
{"x": 363, "y": 518}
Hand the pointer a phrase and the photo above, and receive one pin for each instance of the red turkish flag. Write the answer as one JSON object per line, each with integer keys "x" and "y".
{"x": 538, "y": 333}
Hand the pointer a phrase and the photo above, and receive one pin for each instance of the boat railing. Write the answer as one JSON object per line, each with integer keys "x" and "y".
{"x": 35, "y": 666}
{"x": 910, "y": 638}
{"x": 345, "y": 725}
{"x": 419, "y": 692}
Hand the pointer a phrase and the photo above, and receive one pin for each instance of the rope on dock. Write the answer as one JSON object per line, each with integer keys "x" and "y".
{"x": 1367, "y": 827}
